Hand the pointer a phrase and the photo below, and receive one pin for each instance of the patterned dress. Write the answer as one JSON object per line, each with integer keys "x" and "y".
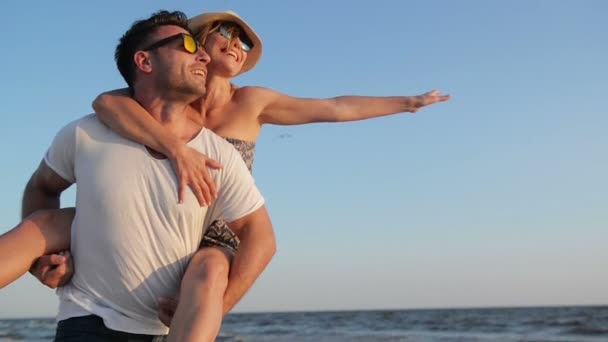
{"x": 218, "y": 233}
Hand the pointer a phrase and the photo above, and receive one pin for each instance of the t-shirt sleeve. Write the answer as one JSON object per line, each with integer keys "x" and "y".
{"x": 238, "y": 195}
{"x": 61, "y": 154}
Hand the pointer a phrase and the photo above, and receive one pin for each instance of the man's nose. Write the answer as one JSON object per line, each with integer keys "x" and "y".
{"x": 203, "y": 56}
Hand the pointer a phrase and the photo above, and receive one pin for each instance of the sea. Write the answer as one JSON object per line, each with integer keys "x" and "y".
{"x": 538, "y": 324}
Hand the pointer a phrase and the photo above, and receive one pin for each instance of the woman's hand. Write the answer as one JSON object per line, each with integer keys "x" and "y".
{"x": 428, "y": 98}
{"x": 191, "y": 168}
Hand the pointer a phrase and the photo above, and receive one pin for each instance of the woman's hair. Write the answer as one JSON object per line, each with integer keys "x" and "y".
{"x": 205, "y": 30}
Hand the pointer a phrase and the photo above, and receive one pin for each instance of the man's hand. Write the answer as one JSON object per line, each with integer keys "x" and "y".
{"x": 191, "y": 169}
{"x": 429, "y": 98}
{"x": 166, "y": 310}
{"x": 54, "y": 270}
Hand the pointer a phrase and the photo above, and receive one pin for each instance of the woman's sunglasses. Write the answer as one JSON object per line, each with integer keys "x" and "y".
{"x": 227, "y": 30}
{"x": 190, "y": 44}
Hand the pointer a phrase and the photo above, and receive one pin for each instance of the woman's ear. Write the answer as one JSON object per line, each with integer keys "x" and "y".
{"x": 142, "y": 61}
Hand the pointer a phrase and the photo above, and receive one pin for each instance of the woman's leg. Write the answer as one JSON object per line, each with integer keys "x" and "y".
{"x": 199, "y": 314}
{"x": 43, "y": 232}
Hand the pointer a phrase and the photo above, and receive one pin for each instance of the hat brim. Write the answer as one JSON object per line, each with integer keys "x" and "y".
{"x": 253, "y": 55}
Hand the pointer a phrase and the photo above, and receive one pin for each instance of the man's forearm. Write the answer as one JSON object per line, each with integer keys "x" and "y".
{"x": 255, "y": 252}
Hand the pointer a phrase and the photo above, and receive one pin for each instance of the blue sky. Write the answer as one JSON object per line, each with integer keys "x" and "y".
{"x": 496, "y": 198}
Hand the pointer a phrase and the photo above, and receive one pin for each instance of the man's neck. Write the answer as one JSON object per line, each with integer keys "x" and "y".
{"x": 164, "y": 110}
{"x": 171, "y": 114}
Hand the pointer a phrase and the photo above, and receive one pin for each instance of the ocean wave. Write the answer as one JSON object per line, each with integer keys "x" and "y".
{"x": 587, "y": 331}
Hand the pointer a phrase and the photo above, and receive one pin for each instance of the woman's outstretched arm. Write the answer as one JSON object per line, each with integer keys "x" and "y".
{"x": 281, "y": 109}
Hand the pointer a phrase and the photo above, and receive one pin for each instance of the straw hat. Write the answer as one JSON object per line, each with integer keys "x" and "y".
{"x": 253, "y": 56}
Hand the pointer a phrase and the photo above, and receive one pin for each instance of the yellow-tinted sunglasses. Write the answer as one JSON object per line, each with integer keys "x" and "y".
{"x": 190, "y": 44}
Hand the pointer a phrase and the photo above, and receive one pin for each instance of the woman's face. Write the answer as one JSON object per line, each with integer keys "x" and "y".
{"x": 226, "y": 49}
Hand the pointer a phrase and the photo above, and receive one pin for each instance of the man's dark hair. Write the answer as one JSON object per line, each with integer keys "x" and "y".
{"x": 138, "y": 36}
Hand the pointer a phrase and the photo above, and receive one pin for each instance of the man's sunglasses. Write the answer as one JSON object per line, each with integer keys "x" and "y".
{"x": 190, "y": 44}
{"x": 228, "y": 29}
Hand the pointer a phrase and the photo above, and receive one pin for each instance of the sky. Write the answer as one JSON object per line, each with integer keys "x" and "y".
{"x": 495, "y": 198}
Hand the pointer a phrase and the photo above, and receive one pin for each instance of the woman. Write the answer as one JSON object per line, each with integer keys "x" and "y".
{"x": 236, "y": 113}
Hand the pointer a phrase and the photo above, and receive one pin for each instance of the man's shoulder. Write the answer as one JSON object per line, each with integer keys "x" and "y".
{"x": 87, "y": 122}
{"x": 87, "y": 129}
{"x": 90, "y": 121}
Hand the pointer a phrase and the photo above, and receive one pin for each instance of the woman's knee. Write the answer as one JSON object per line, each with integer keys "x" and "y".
{"x": 211, "y": 265}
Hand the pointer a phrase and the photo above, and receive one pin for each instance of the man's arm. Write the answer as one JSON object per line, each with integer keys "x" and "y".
{"x": 43, "y": 190}
{"x": 44, "y": 231}
{"x": 258, "y": 246}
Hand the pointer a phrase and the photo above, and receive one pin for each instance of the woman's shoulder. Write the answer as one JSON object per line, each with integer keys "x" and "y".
{"x": 252, "y": 91}
{"x": 255, "y": 97}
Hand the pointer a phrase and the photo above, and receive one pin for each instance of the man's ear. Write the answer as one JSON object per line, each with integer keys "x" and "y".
{"x": 142, "y": 61}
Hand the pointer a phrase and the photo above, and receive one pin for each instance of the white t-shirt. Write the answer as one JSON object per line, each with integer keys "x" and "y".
{"x": 131, "y": 240}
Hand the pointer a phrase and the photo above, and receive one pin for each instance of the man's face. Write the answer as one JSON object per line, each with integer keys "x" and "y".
{"x": 179, "y": 67}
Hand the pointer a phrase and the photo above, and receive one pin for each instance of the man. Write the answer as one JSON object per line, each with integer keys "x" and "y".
{"x": 131, "y": 241}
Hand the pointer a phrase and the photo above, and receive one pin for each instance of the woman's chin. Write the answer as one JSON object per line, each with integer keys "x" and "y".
{"x": 225, "y": 71}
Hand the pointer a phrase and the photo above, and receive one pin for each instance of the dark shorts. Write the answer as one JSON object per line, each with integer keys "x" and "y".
{"x": 91, "y": 329}
{"x": 219, "y": 235}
